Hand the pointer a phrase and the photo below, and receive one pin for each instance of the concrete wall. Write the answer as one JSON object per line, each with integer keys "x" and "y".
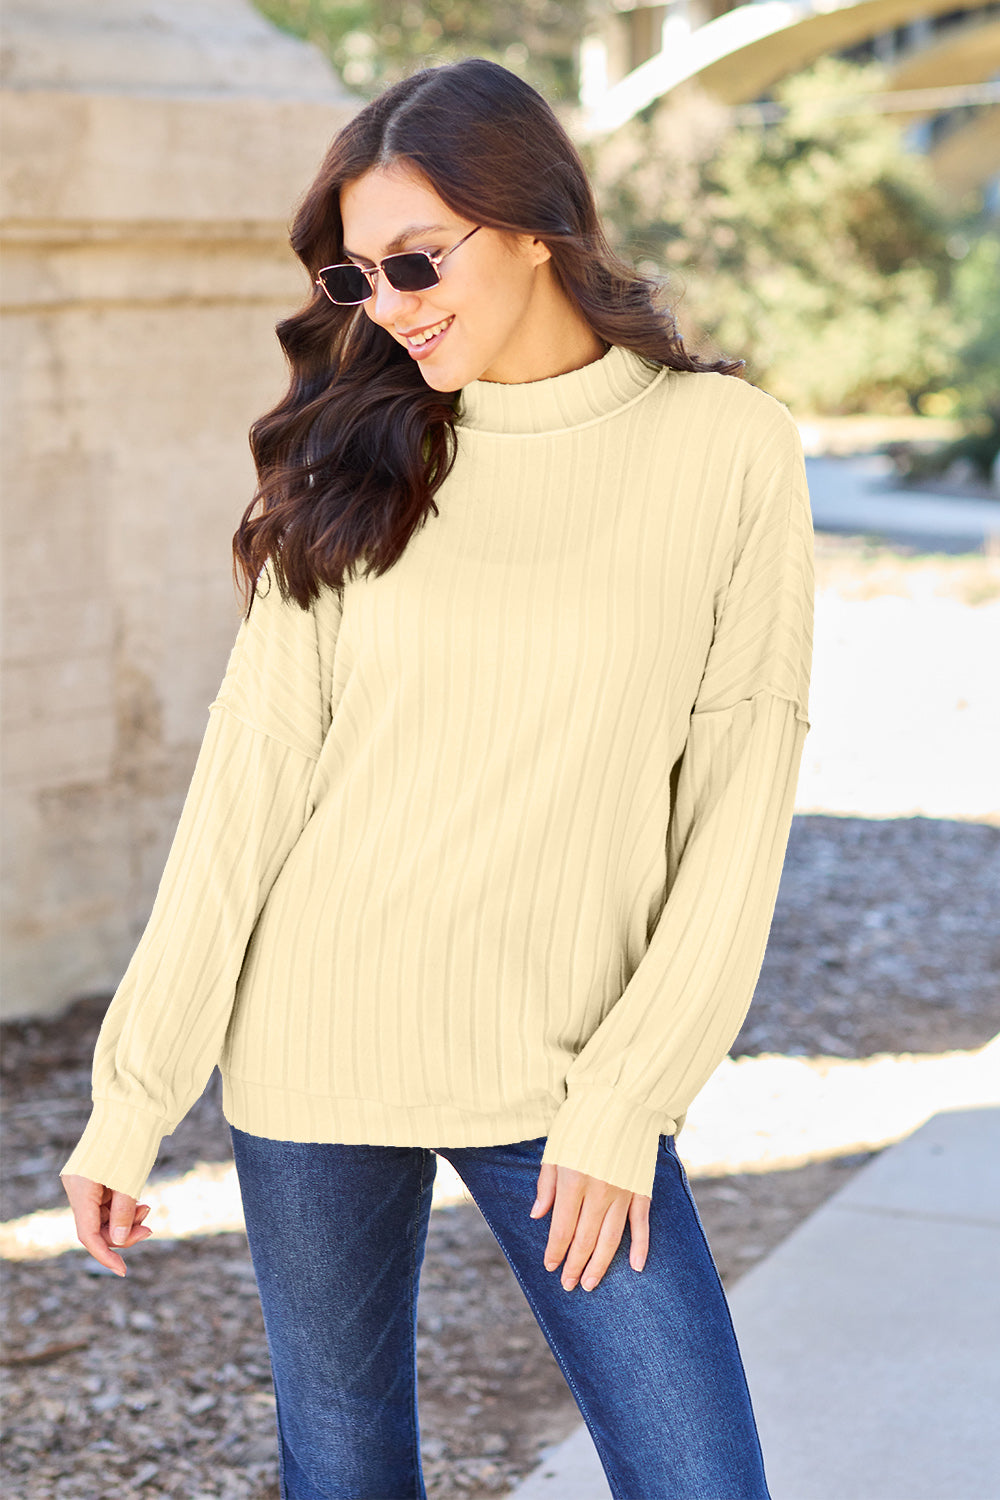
{"x": 153, "y": 155}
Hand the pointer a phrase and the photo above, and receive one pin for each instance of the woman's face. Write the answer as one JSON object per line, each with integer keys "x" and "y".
{"x": 491, "y": 315}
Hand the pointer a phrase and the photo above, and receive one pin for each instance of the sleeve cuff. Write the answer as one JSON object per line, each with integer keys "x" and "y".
{"x": 118, "y": 1147}
{"x": 601, "y": 1132}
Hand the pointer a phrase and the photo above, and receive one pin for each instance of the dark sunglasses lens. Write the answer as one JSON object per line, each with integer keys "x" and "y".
{"x": 346, "y": 284}
{"x": 410, "y": 273}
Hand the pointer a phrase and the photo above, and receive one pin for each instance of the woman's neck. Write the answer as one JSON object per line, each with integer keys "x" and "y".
{"x": 558, "y": 338}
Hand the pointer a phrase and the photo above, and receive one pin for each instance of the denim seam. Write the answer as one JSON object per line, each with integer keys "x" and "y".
{"x": 417, "y": 1465}
{"x": 552, "y": 1344}
{"x": 283, "y": 1489}
{"x": 282, "y": 1479}
{"x": 725, "y": 1302}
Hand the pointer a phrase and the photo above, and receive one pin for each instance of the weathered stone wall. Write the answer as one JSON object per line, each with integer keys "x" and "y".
{"x": 153, "y": 155}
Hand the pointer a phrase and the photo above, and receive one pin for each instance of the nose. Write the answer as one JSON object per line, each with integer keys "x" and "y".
{"x": 388, "y": 306}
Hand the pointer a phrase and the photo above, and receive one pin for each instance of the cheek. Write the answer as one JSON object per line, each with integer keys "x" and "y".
{"x": 509, "y": 310}
{"x": 491, "y": 294}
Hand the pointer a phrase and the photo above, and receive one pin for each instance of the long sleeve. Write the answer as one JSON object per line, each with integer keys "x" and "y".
{"x": 733, "y": 797}
{"x": 246, "y": 804}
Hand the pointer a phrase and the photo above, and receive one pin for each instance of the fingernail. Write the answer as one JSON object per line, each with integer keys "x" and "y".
{"x": 588, "y": 1283}
{"x": 568, "y": 1286}
{"x": 534, "y": 1209}
{"x": 119, "y": 1235}
{"x": 550, "y": 1265}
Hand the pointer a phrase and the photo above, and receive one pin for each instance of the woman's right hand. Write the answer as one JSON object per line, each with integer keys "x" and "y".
{"x": 105, "y": 1217}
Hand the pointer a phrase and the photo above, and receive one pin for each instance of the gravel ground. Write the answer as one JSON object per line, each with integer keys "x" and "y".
{"x": 884, "y": 939}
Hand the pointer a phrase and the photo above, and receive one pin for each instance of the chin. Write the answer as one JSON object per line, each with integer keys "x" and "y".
{"x": 444, "y": 380}
{"x": 437, "y": 382}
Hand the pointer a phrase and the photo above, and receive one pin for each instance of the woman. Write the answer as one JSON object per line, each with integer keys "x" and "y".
{"x": 484, "y": 837}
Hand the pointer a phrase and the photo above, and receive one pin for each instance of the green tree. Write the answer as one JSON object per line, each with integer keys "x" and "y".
{"x": 813, "y": 246}
{"x": 374, "y": 42}
{"x": 974, "y": 394}
{"x": 976, "y": 305}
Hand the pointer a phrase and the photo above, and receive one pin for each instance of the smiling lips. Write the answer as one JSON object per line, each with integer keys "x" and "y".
{"x": 424, "y": 335}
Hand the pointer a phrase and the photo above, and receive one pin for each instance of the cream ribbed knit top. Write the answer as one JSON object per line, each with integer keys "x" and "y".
{"x": 491, "y": 852}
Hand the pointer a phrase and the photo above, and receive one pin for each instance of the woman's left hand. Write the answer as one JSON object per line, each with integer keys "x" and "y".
{"x": 588, "y": 1219}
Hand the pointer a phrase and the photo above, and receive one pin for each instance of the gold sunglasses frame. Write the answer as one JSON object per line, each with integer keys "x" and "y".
{"x": 371, "y": 272}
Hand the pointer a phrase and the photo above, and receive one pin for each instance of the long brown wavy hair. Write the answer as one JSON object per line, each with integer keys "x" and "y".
{"x": 349, "y": 461}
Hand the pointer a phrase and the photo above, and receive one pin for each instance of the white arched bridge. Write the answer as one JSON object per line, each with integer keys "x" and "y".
{"x": 938, "y": 57}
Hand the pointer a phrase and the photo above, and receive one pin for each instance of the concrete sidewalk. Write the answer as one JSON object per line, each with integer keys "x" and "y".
{"x": 853, "y": 495}
{"x": 871, "y": 1336}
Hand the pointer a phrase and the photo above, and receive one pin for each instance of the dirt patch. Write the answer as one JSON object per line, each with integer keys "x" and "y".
{"x": 884, "y": 939}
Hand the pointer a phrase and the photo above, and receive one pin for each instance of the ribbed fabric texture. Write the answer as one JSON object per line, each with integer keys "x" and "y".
{"x": 492, "y": 851}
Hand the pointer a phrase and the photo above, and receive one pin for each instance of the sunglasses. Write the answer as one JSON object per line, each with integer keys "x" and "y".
{"x": 412, "y": 271}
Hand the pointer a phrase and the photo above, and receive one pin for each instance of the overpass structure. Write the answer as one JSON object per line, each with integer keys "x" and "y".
{"x": 738, "y": 55}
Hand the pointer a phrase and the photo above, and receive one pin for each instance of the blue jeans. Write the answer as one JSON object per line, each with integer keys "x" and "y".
{"x": 337, "y": 1236}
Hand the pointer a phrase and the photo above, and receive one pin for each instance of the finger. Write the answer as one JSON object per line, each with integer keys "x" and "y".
{"x": 594, "y": 1220}
{"x": 114, "y": 1211}
{"x": 137, "y": 1232}
{"x": 545, "y": 1192}
{"x": 88, "y": 1201}
{"x": 590, "y": 1209}
{"x": 121, "y": 1217}
{"x": 570, "y": 1188}
{"x": 96, "y": 1246}
{"x": 638, "y": 1216}
{"x": 607, "y": 1243}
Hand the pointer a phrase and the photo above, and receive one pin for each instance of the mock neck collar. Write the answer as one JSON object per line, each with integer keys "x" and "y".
{"x": 571, "y": 400}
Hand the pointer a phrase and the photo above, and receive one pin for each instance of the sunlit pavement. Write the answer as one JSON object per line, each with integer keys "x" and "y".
{"x": 904, "y": 708}
{"x": 771, "y": 1113}
{"x": 204, "y": 1200}
{"x": 905, "y": 692}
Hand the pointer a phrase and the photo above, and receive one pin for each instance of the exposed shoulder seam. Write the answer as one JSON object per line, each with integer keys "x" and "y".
{"x": 219, "y": 703}
{"x": 801, "y": 711}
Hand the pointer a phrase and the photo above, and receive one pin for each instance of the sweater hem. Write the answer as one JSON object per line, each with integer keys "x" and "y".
{"x": 285, "y": 1115}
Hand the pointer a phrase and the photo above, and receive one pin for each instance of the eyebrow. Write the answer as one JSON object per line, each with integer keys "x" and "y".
{"x": 413, "y": 232}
